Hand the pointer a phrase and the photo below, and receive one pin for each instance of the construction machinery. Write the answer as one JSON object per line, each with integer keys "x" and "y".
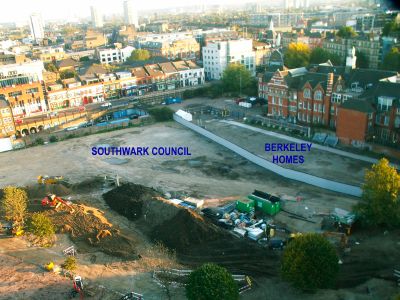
{"x": 45, "y": 179}
{"x": 54, "y": 201}
{"x": 78, "y": 287}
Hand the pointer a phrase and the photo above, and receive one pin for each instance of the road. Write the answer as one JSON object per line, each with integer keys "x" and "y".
{"x": 95, "y": 107}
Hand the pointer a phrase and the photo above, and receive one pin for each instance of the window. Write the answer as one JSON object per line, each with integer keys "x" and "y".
{"x": 384, "y": 103}
{"x": 336, "y": 98}
{"x": 339, "y": 88}
{"x": 307, "y": 93}
{"x": 318, "y": 95}
{"x": 386, "y": 121}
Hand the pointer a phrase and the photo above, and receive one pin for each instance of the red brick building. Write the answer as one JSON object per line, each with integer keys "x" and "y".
{"x": 355, "y": 121}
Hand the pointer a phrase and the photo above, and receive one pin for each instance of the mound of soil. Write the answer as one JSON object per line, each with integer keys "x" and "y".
{"x": 185, "y": 230}
{"x": 83, "y": 227}
{"x": 41, "y": 190}
{"x": 128, "y": 199}
{"x": 88, "y": 185}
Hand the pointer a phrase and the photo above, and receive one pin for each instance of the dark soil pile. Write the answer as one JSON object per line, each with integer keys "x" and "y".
{"x": 128, "y": 199}
{"x": 185, "y": 230}
{"x": 41, "y": 190}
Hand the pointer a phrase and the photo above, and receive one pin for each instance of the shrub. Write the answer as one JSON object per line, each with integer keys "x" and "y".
{"x": 53, "y": 139}
{"x": 310, "y": 262}
{"x": 211, "y": 281}
{"x": 40, "y": 225}
{"x": 161, "y": 114}
{"x": 70, "y": 263}
{"x": 39, "y": 141}
{"x": 14, "y": 203}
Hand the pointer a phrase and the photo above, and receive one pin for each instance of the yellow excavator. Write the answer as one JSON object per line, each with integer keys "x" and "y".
{"x": 45, "y": 179}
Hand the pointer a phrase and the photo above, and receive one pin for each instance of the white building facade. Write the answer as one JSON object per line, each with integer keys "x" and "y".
{"x": 97, "y": 17}
{"x": 109, "y": 56}
{"x": 218, "y": 55}
{"x": 32, "y": 68}
{"x": 36, "y": 25}
{"x": 130, "y": 14}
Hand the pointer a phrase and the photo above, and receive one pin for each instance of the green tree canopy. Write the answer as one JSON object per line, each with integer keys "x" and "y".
{"x": 391, "y": 60}
{"x": 40, "y": 225}
{"x": 162, "y": 114}
{"x": 14, "y": 203}
{"x": 210, "y": 282}
{"x": 68, "y": 74}
{"x": 319, "y": 55}
{"x": 50, "y": 67}
{"x": 236, "y": 78}
{"x": 310, "y": 262}
{"x": 380, "y": 199}
{"x": 297, "y": 55}
{"x": 362, "y": 60}
{"x": 391, "y": 28}
{"x": 139, "y": 55}
{"x": 346, "y": 32}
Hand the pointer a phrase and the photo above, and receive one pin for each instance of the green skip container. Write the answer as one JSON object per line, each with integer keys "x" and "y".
{"x": 245, "y": 205}
{"x": 266, "y": 206}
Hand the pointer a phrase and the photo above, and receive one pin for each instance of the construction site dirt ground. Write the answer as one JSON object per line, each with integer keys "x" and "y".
{"x": 316, "y": 162}
{"x": 211, "y": 172}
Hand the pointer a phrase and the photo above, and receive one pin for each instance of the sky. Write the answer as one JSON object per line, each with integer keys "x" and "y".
{"x": 19, "y": 10}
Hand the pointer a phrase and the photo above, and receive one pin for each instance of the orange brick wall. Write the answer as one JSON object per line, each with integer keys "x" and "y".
{"x": 351, "y": 125}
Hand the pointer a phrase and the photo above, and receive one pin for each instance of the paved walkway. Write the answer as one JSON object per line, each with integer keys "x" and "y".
{"x": 315, "y": 146}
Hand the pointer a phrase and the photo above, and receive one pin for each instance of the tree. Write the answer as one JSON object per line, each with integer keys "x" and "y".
{"x": 236, "y": 78}
{"x": 70, "y": 263}
{"x": 68, "y": 74}
{"x": 362, "y": 60}
{"x": 380, "y": 204}
{"x": 319, "y": 55}
{"x": 139, "y": 55}
{"x": 297, "y": 55}
{"x": 310, "y": 262}
{"x": 391, "y": 60}
{"x": 161, "y": 114}
{"x": 346, "y": 32}
{"x": 391, "y": 28}
{"x": 40, "y": 225}
{"x": 14, "y": 204}
{"x": 50, "y": 67}
{"x": 211, "y": 281}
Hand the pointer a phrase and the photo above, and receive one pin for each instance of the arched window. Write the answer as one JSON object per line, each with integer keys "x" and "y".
{"x": 318, "y": 95}
{"x": 307, "y": 93}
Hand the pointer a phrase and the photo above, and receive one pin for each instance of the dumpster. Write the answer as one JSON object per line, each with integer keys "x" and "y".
{"x": 245, "y": 205}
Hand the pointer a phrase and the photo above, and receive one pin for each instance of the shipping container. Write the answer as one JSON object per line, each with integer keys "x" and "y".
{"x": 245, "y": 205}
{"x": 172, "y": 100}
{"x": 120, "y": 114}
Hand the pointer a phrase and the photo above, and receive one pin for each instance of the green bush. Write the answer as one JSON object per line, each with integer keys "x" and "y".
{"x": 70, "y": 136}
{"x": 210, "y": 282}
{"x": 162, "y": 114}
{"x": 70, "y": 263}
{"x": 40, "y": 225}
{"x": 53, "y": 139}
{"x": 310, "y": 262}
{"x": 39, "y": 141}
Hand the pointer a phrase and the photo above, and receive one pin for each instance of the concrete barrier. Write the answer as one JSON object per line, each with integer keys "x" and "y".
{"x": 288, "y": 173}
